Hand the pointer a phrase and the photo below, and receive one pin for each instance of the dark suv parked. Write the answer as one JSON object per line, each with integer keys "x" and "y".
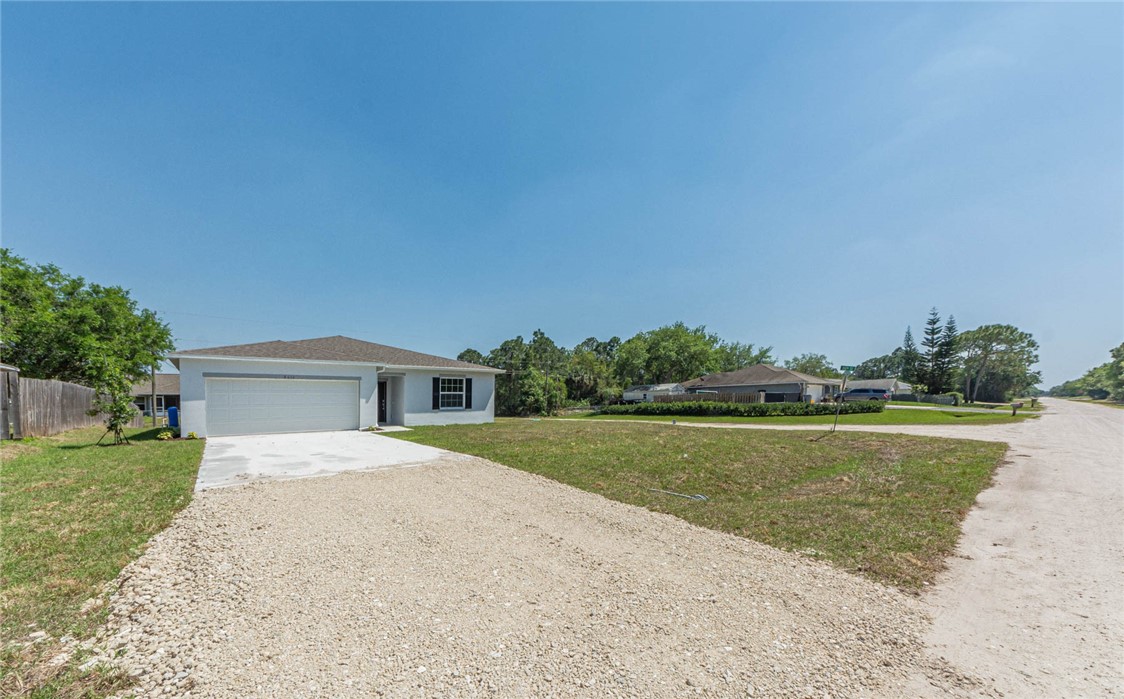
{"x": 864, "y": 394}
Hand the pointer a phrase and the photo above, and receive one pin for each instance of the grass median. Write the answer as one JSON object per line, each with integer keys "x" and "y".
{"x": 887, "y": 417}
{"x": 72, "y": 515}
{"x": 886, "y": 506}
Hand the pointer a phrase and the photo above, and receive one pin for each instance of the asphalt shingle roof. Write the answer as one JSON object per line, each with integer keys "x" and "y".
{"x": 166, "y": 385}
{"x": 335, "y": 349}
{"x": 756, "y": 375}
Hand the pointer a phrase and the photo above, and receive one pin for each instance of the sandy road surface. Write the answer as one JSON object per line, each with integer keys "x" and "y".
{"x": 1033, "y": 602}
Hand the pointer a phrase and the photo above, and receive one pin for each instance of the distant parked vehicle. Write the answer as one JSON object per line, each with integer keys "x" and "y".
{"x": 863, "y": 394}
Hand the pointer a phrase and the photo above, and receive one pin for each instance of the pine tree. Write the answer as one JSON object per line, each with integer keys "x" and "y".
{"x": 911, "y": 359}
{"x": 931, "y": 361}
{"x": 946, "y": 356}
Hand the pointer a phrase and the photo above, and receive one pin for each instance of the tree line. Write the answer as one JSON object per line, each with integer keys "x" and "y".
{"x": 1105, "y": 381}
{"x": 543, "y": 377}
{"x": 991, "y": 363}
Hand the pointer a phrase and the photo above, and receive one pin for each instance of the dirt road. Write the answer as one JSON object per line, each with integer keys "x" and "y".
{"x": 1033, "y": 602}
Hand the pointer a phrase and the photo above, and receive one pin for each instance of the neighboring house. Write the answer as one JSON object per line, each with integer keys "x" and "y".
{"x": 327, "y": 383}
{"x": 778, "y": 385}
{"x": 646, "y": 393}
{"x": 167, "y": 394}
{"x": 892, "y": 386}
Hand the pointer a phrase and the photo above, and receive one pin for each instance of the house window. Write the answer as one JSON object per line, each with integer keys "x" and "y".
{"x": 452, "y": 393}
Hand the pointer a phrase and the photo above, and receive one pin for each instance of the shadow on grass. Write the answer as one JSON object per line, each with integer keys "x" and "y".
{"x": 148, "y": 435}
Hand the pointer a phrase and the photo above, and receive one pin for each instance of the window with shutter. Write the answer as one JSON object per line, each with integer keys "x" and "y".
{"x": 451, "y": 393}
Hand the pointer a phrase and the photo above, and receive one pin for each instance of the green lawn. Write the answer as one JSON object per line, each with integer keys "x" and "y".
{"x": 886, "y": 417}
{"x": 886, "y": 506}
{"x": 72, "y": 515}
{"x": 986, "y": 406}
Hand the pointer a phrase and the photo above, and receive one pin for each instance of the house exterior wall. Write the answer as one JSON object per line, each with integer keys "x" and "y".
{"x": 418, "y": 403}
{"x": 194, "y": 371}
{"x": 410, "y": 390}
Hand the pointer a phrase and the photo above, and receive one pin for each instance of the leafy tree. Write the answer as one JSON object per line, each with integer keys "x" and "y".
{"x": 540, "y": 394}
{"x": 997, "y": 362}
{"x": 888, "y": 366}
{"x": 1100, "y": 382}
{"x": 605, "y": 351}
{"x": 590, "y": 377}
{"x": 54, "y": 326}
{"x": 471, "y": 356}
{"x": 814, "y": 364}
{"x": 731, "y": 356}
{"x": 513, "y": 356}
{"x": 113, "y": 399}
{"x": 632, "y": 361}
{"x": 546, "y": 356}
{"x": 679, "y": 353}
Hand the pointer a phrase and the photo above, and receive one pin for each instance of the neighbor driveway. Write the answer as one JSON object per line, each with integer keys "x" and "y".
{"x": 235, "y": 460}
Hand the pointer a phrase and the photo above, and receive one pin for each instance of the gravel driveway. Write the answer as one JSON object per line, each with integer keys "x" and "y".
{"x": 465, "y": 578}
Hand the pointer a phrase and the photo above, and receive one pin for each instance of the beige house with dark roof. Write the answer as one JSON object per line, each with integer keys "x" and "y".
{"x": 326, "y": 383}
{"x": 778, "y": 385}
{"x": 167, "y": 394}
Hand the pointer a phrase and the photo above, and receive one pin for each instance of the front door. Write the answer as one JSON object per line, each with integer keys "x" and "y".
{"x": 382, "y": 402}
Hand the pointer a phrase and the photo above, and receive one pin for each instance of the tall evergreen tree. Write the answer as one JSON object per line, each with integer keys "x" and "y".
{"x": 945, "y": 372}
{"x": 930, "y": 373}
{"x": 911, "y": 359}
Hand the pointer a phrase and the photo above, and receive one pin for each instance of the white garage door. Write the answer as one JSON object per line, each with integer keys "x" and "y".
{"x": 263, "y": 406}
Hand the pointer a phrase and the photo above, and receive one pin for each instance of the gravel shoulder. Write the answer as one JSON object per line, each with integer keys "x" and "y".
{"x": 464, "y": 578}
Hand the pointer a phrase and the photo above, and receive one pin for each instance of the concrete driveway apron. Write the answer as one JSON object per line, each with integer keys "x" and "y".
{"x": 234, "y": 460}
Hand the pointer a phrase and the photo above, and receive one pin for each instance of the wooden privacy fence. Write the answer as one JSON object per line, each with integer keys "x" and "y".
{"x": 718, "y": 397}
{"x": 41, "y": 408}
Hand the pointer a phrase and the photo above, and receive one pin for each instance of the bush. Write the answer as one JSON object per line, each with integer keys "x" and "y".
{"x": 956, "y": 396}
{"x": 165, "y": 435}
{"x": 710, "y": 408}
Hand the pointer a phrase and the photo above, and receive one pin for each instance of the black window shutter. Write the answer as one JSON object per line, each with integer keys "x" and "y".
{"x": 436, "y": 392}
{"x": 468, "y": 394}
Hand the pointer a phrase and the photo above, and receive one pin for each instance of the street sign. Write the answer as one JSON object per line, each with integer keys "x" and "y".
{"x": 847, "y": 368}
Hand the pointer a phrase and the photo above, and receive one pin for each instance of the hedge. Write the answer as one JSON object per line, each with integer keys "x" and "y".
{"x": 741, "y": 409}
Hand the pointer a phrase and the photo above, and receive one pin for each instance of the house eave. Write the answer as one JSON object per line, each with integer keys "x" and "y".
{"x": 379, "y": 366}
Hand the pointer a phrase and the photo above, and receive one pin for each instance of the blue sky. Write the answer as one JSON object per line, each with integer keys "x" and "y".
{"x": 438, "y": 176}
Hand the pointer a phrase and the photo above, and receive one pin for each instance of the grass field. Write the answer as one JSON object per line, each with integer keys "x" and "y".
{"x": 984, "y": 406}
{"x": 72, "y": 515}
{"x": 886, "y": 506}
{"x": 887, "y": 417}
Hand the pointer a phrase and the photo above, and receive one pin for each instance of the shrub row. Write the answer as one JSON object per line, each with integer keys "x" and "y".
{"x": 741, "y": 409}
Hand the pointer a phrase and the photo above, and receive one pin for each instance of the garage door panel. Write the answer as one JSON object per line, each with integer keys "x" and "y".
{"x": 263, "y": 406}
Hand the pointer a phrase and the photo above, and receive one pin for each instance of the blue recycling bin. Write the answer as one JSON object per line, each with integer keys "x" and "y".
{"x": 173, "y": 416}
